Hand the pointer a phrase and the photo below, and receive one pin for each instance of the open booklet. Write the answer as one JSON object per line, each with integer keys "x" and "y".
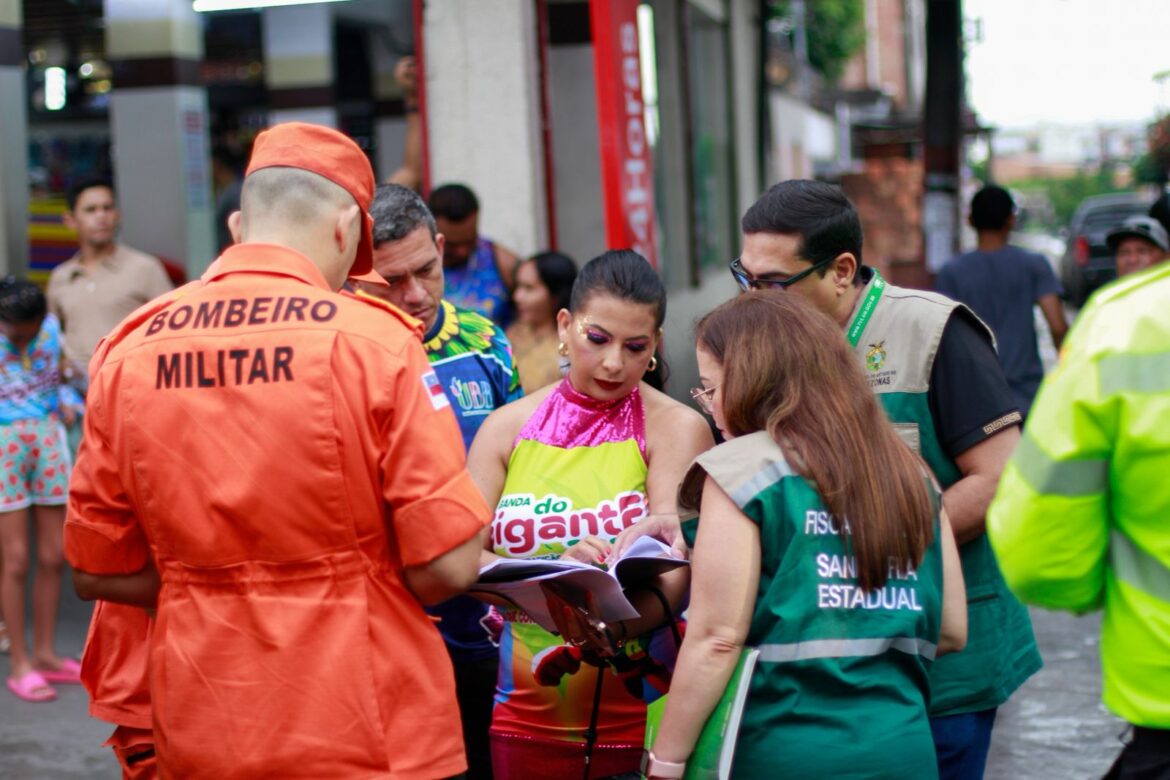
{"x": 518, "y": 581}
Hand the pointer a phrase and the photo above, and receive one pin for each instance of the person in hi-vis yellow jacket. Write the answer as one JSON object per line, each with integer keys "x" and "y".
{"x": 1081, "y": 520}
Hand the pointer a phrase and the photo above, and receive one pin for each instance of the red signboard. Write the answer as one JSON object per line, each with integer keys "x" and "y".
{"x": 627, "y": 175}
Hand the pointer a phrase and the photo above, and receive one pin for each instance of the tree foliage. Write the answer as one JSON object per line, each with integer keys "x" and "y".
{"x": 1066, "y": 194}
{"x": 835, "y": 30}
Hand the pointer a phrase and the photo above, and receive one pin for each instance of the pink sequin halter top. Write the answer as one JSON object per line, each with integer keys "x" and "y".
{"x": 568, "y": 418}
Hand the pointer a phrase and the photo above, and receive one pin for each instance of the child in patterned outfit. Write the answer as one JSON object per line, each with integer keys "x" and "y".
{"x": 34, "y": 471}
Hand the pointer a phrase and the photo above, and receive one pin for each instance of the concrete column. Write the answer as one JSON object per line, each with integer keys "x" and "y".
{"x": 13, "y": 144}
{"x": 483, "y": 113}
{"x": 298, "y": 64}
{"x": 158, "y": 129}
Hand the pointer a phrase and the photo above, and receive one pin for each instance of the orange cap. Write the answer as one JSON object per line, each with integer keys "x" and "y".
{"x": 327, "y": 153}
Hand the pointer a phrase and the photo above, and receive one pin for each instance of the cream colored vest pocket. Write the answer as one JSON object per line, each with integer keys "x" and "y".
{"x": 908, "y": 433}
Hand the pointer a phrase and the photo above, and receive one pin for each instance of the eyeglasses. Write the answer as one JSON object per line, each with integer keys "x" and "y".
{"x": 749, "y": 282}
{"x": 704, "y": 397}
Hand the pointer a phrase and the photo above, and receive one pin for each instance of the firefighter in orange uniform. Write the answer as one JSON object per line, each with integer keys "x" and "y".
{"x": 274, "y": 466}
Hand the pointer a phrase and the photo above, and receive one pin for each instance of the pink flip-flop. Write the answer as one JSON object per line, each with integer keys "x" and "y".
{"x": 69, "y": 673}
{"x": 31, "y": 686}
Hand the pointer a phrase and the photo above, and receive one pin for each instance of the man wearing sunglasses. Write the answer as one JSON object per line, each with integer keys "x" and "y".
{"x": 932, "y": 364}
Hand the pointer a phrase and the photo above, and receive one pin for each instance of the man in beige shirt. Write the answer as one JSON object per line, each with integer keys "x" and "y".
{"x": 95, "y": 289}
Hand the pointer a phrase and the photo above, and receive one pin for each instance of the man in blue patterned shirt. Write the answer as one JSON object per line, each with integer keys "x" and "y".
{"x": 473, "y": 361}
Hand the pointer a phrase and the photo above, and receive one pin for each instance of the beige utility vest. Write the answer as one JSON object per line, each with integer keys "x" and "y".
{"x": 898, "y": 348}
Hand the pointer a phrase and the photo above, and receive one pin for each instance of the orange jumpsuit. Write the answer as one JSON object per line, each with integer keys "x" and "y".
{"x": 114, "y": 665}
{"x": 113, "y": 670}
{"x": 282, "y": 451}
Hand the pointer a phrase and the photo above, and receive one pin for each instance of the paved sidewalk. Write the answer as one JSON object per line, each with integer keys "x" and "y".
{"x": 56, "y": 740}
{"x": 1055, "y": 726}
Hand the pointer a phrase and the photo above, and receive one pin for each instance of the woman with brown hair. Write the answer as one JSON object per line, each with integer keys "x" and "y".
{"x": 822, "y": 542}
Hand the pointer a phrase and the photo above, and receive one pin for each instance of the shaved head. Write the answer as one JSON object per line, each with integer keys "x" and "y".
{"x": 305, "y": 212}
{"x": 290, "y": 198}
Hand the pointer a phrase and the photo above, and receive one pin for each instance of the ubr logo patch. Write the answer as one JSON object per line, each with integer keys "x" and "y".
{"x": 435, "y": 390}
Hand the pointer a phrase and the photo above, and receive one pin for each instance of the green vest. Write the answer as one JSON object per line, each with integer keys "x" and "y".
{"x": 897, "y": 347}
{"x": 842, "y": 684}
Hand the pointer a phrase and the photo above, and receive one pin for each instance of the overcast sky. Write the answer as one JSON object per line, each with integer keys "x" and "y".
{"x": 1068, "y": 61}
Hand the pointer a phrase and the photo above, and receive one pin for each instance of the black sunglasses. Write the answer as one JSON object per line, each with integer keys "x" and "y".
{"x": 748, "y": 282}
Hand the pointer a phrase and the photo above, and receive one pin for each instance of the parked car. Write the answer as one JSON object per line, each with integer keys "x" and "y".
{"x": 1087, "y": 262}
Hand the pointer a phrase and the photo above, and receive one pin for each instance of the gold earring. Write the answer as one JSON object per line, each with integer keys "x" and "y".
{"x": 562, "y": 349}
{"x": 653, "y": 364}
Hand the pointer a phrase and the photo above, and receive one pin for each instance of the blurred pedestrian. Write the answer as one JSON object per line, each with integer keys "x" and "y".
{"x": 1001, "y": 283}
{"x": 34, "y": 472}
{"x": 543, "y": 284}
{"x": 1138, "y": 243}
{"x": 1079, "y": 522}
{"x": 849, "y": 640}
{"x": 932, "y": 365}
{"x": 95, "y": 289}
{"x": 602, "y": 447}
{"x": 410, "y": 173}
{"x": 284, "y": 488}
{"x": 479, "y": 271}
{"x": 473, "y": 361}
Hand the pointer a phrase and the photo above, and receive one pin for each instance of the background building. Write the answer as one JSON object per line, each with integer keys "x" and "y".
{"x": 581, "y": 124}
{"x": 513, "y": 106}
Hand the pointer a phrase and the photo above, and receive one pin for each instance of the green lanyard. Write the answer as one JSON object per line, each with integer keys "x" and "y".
{"x": 867, "y": 307}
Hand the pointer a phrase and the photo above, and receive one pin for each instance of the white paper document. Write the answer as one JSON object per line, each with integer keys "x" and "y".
{"x": 518, "y": 581}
